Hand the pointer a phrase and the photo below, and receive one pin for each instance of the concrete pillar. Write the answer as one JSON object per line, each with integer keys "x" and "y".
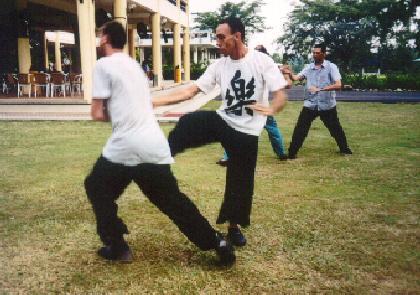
{"x": 85, "y": 12}
{"x": 92, "y": 31}
{"x": 156, "y": 50}
{"x": 132, "y": 33}
{"x": 195, "y": 54}
{"x": 24, "y": 51}
{"x": 141, "y": 55}
{"x": 187, "y": 57}
{"x": 177, "y": 47}
{"x": 57, "y": 52}
{"x": 120, "y": 15}
{"x": 46, "y": 61}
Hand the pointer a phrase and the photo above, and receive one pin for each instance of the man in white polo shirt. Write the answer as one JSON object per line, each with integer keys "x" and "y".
{"x": 243, "y": 76}
{"x": 136, "y": 151}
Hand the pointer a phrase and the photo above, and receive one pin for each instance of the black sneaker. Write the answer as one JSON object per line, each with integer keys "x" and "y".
{"x": 236, "y": 237}
{"x": 225, "y": 250}
{"x": 283, "y": 157}
{"x": 346, "y": 152}
{"x": 109, "y": 253}
{"x": 292, "y": 156}
{"x": 222, "y": 162}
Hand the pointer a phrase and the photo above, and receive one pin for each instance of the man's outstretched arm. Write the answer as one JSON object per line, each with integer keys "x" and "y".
{"x": 176, "y": 96}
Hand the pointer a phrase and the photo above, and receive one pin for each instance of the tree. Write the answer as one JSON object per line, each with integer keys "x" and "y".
{"x": 352, "y": 29}
{"x": 247, "y": 12}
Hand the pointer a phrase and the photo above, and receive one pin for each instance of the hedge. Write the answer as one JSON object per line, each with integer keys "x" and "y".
{"x": 383, "y": 82}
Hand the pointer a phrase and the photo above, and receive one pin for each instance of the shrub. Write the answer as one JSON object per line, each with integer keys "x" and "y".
{"x": 383, "y": 82}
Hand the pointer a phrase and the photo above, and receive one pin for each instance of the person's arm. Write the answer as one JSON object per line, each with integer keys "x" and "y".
{"x": 288, "y": 71}
{"x": 99, "y": 110}
{"x": 277, "y": 104}
{"x": 176, "y": 96}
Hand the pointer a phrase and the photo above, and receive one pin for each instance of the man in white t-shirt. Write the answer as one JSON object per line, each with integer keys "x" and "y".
{"x": 243, "y": 76}
{"x": 136, "y": 151}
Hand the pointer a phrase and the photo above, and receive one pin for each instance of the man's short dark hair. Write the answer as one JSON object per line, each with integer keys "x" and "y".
{"x": 321, "y": 46}
{"x": 115, "y": 33}
{"x": 235, "y": 24}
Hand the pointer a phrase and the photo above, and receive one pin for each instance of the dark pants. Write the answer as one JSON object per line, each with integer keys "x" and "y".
{"x": 107, "y": 182}
{"x": 203, "y": 127}
{"x": 330, "y": 120}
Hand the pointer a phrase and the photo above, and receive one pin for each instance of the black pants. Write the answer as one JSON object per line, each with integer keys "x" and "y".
{"x": 203, "y": 127}
{"x": 107, "y": 182}
{"x": 330, "y": 120}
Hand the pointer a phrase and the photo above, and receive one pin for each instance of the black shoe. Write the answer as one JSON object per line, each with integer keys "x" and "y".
{"x": 346, "y": 151}
{"x": 236, "y": 237}
{"x": 222, "y": 162}
{"x": 225, "y": 250}
{"x": 109, "y": 253}
{"x": 283, "y": 157}
{"x": 292, "y": 156}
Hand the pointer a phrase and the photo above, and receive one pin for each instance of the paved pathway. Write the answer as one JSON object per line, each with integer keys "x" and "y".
{"x": 66, "y": 109}
{"x": 296, "y": 93}
{"x": 76, "y": 108}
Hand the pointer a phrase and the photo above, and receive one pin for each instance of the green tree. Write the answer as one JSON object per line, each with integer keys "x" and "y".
{"x": 247, "y": 12}
{"x": 352, "y": 29}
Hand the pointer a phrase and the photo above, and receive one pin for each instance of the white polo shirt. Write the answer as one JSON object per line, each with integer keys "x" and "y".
{"x": 243, "y": 82}
{"x": 136, "y": 136}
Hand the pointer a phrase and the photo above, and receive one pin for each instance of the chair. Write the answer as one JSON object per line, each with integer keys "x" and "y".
{"x": 58, "y": 80}
{"x": 9, "y": 83}
{"x": 76, "y": 83}
{"x": 24, "y": 81}
{"x": 41, "y": 80}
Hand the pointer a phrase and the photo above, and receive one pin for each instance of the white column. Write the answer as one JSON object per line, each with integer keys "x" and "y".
{"x": 141, "y": 55}
{"x": 120, "y": 15}
{"x": 177, "y": 47}
{"x": 156, "y": 50}
{"x": 187, "y": 57}
{"x": 195, "y": 54}
{"x": 24, "y": 49}
{"x": 46, "y": 61}
{"x": 57, "y": 52}
{"x": 85, "y": 12}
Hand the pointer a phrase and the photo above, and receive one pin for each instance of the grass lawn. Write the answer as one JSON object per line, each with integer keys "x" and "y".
{"x": 320, "y": 224}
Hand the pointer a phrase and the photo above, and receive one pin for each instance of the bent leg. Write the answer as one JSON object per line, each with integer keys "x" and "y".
{"x": 159, "y": 184}
{"x": 104, "y": 185}
{"x": 194, "y": 130}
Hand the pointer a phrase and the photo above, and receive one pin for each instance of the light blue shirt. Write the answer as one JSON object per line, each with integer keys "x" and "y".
{"x": 324, "y": 76}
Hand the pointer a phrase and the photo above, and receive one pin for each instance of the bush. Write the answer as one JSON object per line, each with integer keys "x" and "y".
{"x": 197, "y": 70}
{"x": 383, "y": 82}
{"x": 168, "y": 72}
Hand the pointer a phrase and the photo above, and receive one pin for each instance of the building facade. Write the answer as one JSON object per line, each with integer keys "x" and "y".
{"x": 31, "y": 31}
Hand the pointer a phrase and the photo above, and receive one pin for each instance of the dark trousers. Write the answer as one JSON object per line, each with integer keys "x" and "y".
{"x": 203, "y": 127}
{"x": 330, "y": 120}
{"x": 107, "y": 182}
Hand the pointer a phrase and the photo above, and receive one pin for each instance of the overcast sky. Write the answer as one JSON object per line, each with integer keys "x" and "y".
{"x": 275, "y": 12}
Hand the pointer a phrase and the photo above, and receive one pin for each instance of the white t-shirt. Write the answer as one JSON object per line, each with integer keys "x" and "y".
{"x": 243, "y": 82}
{"x": 136, "y": 136}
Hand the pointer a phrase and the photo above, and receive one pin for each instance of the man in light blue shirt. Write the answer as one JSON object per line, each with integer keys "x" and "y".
{"x": 322, "y": 79}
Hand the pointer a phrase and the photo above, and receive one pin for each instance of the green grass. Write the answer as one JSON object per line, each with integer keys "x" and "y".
{"x": 320, "y": 224}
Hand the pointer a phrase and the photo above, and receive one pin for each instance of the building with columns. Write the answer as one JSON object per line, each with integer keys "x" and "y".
{"x": 26, "y": 46}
